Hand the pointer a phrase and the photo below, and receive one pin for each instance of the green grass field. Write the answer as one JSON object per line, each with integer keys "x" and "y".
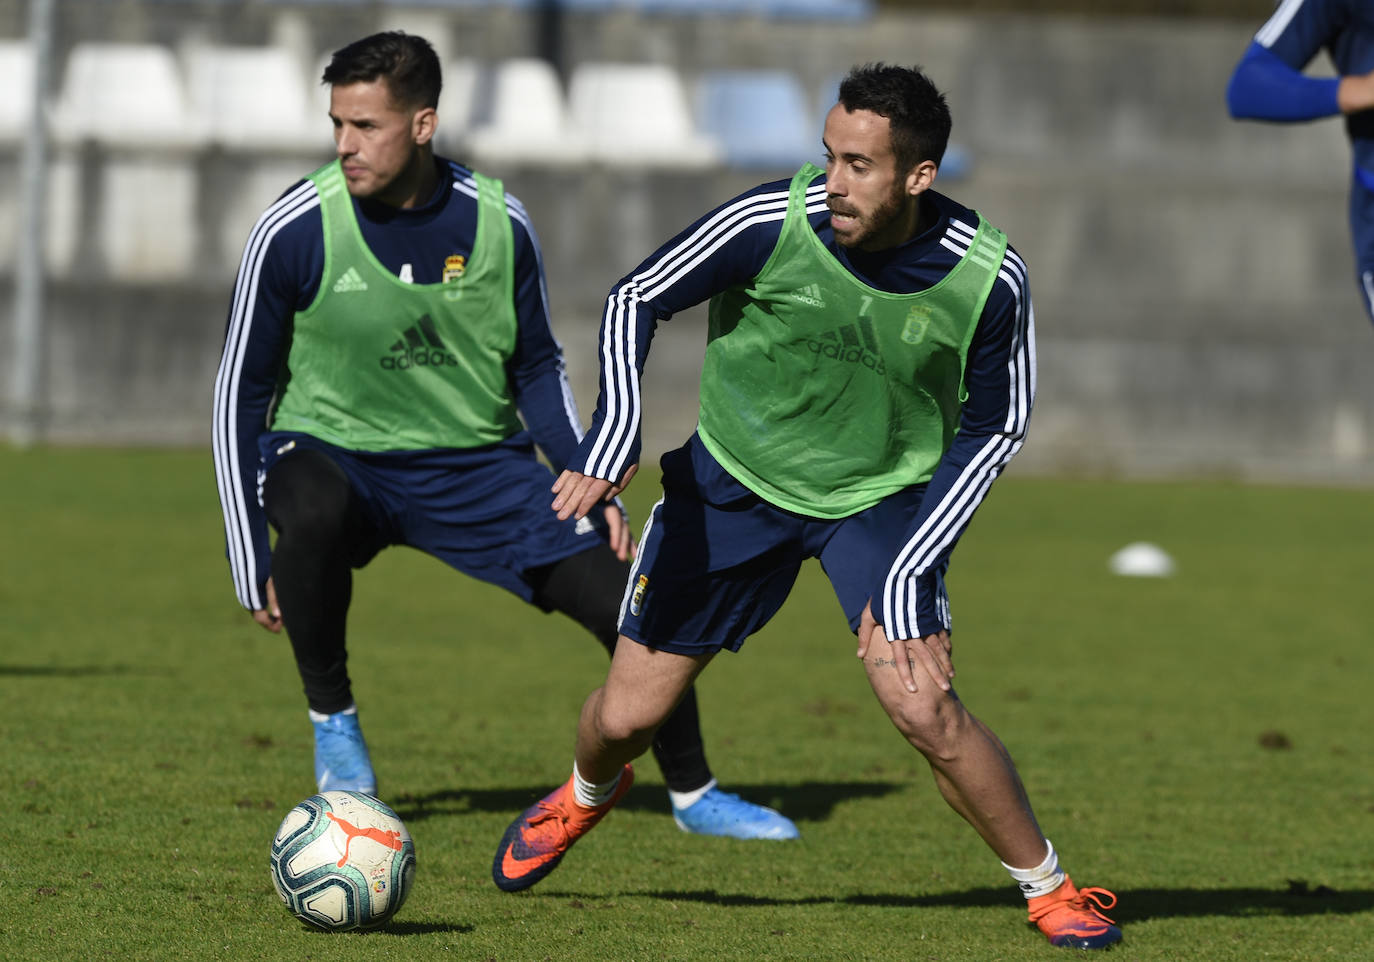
{"x": 1200, "y": 744}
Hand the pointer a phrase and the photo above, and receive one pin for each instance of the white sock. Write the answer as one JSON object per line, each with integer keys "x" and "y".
{"x": 316, "y": 716}
{"x": 589, "y": 795}
{"x": 683, "y": 800}
{"x": 1041, "y": 880}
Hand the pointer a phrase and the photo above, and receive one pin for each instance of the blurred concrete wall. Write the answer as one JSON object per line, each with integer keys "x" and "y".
{"x": 1196, "y": 308}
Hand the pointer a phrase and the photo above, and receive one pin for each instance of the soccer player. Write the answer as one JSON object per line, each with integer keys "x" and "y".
{"x": 869, "y": 371}
{"x": 1268, "y": 84}
{"x": 389, "y": 326}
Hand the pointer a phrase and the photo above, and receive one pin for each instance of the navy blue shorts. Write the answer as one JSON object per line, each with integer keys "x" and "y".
{"x": 716, "y": 561}
{"x": 483, "y": 511}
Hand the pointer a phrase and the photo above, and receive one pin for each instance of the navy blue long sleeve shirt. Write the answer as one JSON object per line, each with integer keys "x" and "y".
{"x": 280, "y": 274}
{"x": 728, "y": 247}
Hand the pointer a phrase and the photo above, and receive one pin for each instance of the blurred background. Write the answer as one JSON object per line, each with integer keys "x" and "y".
{"x": 1196, "y": 307}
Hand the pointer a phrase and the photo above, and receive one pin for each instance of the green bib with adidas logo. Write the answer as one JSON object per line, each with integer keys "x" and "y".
{"x": 378, "y": 364}
{"x": 823, "y": 395}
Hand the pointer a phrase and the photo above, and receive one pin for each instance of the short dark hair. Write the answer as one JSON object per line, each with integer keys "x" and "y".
{"x": 407, "y": 62}
{"x": 917, "y": 112}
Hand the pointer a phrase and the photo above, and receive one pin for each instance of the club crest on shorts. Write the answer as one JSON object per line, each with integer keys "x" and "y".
{"x": 637, "y": 596}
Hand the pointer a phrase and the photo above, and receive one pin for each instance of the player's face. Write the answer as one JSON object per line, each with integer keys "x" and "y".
{"x": 378, "y": 141}
{"x": 873, "y": 205}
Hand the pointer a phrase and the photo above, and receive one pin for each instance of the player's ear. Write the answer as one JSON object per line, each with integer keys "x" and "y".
{"x": 423, "y": 125}
{"x": 920, "y": 177}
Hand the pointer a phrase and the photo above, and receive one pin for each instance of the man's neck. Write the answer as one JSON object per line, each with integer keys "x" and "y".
{"x": 415, "y": 187}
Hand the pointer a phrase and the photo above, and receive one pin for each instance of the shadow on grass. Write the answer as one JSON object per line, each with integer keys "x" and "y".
{"x": 802, "y": 802}
{"x": 1139, "y": 905}
{"x": 393, "y": 928}
{"x": 424, "y": 928}
{"x": 63, "y": 671}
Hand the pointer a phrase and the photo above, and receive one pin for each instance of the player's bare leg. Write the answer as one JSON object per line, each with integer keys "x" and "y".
{"x": 617, "y": 725}
{"x": 972, "y": 768}
{"x": 619, "y": 719}
{"x": 976, "y": 776}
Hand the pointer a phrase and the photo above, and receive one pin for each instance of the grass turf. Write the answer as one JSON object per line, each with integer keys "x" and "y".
{"x": 1199, "y": 744}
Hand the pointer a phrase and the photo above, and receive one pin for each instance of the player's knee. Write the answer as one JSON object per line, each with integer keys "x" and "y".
{"x": 626, "y": 725}
{"x": 588, "y": 588}
{"x": 929, "y": 720}
{"x": 306, "y": 498}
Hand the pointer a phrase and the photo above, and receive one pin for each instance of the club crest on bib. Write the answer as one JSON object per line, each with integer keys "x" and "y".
{"x": 917, "y": 320}
{"x": 455, "y": 265}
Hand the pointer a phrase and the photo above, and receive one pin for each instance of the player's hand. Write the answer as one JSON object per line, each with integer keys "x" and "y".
{"x": 1355, "y": 93}
{"x": 269, "y": 617}
{"x": 618, "y": 534}
{"x": 933, "y": 652}
{"x": 575, "y": 493}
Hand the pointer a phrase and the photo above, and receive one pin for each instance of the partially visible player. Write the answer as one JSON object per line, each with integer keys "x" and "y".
{"x": 388, "y": 331}
{"x": 1269, "y": 84}
{"x": 869, "y": 372}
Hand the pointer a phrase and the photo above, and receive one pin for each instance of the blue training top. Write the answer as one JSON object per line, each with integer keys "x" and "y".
{"x": 1268, "y": 84}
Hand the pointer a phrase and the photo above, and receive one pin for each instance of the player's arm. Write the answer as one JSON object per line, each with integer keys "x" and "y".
{"x": 727, "y": 246}
{"x": 266, "y": 294}
{"x": 539, "y": 377}
{"x": 910, "y": 604}
{"x": 1268, "y": 82}
{"x": 1263, "y": 87}
{"x": 537, "y": 373}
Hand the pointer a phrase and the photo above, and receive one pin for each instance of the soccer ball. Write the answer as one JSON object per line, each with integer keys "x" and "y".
{"x": 342, "y": 860}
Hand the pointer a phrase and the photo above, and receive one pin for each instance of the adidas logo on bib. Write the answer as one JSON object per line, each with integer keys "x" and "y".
{"x": 350, "y": 281}
{"x": 810, "y": 294}
{"x": 419, "y": 346}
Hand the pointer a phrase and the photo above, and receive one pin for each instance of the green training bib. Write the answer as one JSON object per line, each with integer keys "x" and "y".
{"x": 823, "y": 395}
{"x": 378, "y": 364}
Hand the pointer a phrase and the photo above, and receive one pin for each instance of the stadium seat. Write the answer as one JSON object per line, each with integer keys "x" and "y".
{"x": 525, "y": 118}
{"x": 599, "y": 6}
{"x": 147, "y": 225}
{"x": 128, "y": 103}
{"x": 760, "y": 117}
{"x": 61, "y": 207}
{"x": 637, "y": 115}
{"x": 814, "y": 9}
{"x": 124, "y": 95}
{"x": 254, "y": 98}
{"x": 461, "y": 4}
{"x": 16, "y": 79}
{"x": 463, "y": 80}
{"x": 318, "y": 89}
{"x": 764, "y": 9}
{"x": 699, "y": 8}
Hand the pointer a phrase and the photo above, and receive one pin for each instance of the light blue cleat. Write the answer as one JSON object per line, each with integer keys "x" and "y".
{"x": 727, "y": 815}
{"x": 341, "y": 760}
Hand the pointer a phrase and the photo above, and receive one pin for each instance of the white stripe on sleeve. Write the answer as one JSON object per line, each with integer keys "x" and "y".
{"x": 610, "y": 451}
{"x": 951, "y": 515}
{"x": 229, "y": 471}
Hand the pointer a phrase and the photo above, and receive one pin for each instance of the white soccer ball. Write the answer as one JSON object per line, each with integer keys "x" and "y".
{"x": 343, "y": 860}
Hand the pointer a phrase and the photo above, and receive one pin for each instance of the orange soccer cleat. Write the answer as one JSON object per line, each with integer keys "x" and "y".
{"x": 1070, "y": 917}
{"x": 536, "y": 842}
